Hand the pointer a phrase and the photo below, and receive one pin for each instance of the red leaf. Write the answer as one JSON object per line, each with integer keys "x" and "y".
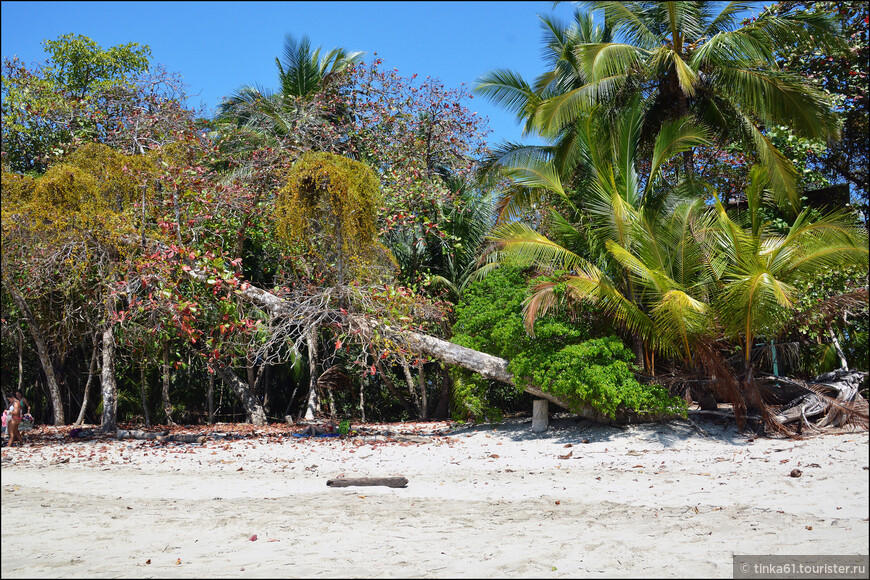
{"x": 338, "y": 344}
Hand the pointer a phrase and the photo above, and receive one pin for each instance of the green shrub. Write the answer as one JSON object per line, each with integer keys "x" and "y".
{"x": 563, "y": 358}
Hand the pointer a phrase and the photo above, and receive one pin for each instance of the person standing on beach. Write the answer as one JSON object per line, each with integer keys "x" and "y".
{"x": 24, "y": 403}
{"x": 14, "y": 420}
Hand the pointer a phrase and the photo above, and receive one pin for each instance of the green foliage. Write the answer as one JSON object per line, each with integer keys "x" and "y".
{"x": 328, "y": 209}
{"x": 817, "y": 308}
{"x": 80, "y": 65}
{"x": 562, "y": 358}
{"x": 597, "y": 372}
{"x": 842, "y": 75}
{"x": 47, "y": 109}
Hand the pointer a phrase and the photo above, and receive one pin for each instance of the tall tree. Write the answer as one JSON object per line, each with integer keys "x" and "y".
{"x": 668, "y": 269}
{"x": 72, "y": 96}
{"x": 683, "y": 57}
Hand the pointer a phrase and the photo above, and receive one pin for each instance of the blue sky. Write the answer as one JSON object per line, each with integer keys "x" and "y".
{"x": 218, "y": 46}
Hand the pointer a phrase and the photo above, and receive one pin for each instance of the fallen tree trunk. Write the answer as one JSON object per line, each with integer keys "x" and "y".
{"x": 495, "y": 368}
{"x": 368, "y": 481}
{"x": 486, "y": 365}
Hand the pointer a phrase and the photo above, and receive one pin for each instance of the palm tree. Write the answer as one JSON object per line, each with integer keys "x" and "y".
{"x": 763, "y": 269}
{"x": 622, "y": 210}
{"x": 682, "y": 277}
{"x": 507, "y": 88}
{"x": 294, "y": 112}
{"x": 686, "y": 59}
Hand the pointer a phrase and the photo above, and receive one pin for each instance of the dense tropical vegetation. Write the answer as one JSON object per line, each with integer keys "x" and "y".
{"x": 348, "y": 244}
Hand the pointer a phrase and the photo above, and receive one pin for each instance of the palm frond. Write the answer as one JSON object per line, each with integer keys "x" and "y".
{"x": 781, "y": 173}
{"x": 673, "y": 139}
{"x": 727, "y": 19}
{"x": 524, "y": 245}
{"x": 605, "y": 60}
{"x": 508, "y": 90}
{"x": 780, "y": 98}
{"x": 628, "y": 19}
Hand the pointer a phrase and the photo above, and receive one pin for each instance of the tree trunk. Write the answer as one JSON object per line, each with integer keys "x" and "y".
{"x": 392, "y": 388}
{"x": 109, "y": 388}
{"x": 409, "y": 380}
{"x": 331, "y": 403}
{"x": 243, "y": 392}
{"x": 844, "y": 365}
{"x": 142, "y": 387}
{"x": 211, "y": 398}
{"x": 442, "y": 409}
{"x": 495, "y": 368}
{"x": 424, "y": 403}
{"x": 20, "y": 363}
{"x": 313, "y": 406}
{"x": 84, "y": 409}
{"x": 164, "y": 395}
{"x": 251, "y": 371}
{"x": 267, "y": 377}
{"x": 637, "y": 348}
{"x": 362, "y": 409}
{"x": 44, "y": 355}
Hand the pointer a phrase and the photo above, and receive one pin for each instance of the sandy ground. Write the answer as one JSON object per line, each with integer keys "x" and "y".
{"x": 485, "y": 501}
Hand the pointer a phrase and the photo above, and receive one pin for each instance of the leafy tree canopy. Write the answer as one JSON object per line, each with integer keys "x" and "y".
{"x": 81, "y": 66}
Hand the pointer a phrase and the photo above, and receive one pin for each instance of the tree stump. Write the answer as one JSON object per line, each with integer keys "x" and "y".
{"x": 539, "y": 415}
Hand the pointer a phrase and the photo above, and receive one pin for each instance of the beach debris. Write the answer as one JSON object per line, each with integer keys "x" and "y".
{"x": 81, "y": 433}
{"x": 148, "y": 561}
{"x": 253, "y": 538}
{"x": 368, "y": 481}
{"x": 160, "y": 436}
{"x": 795, "y": 473}
{"x": 567, "y": 455}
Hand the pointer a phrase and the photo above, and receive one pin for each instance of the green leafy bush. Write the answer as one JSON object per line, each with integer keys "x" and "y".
{"x": 563, "y": 358}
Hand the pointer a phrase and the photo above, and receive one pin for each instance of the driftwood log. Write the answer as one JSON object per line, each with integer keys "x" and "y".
{"x": 833, "y": 396}
{"x": 163, "y": 436}
{"x": 368, "y": 481}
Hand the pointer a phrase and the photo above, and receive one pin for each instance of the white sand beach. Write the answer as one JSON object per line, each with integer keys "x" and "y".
{"x": 486, "y": 501}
